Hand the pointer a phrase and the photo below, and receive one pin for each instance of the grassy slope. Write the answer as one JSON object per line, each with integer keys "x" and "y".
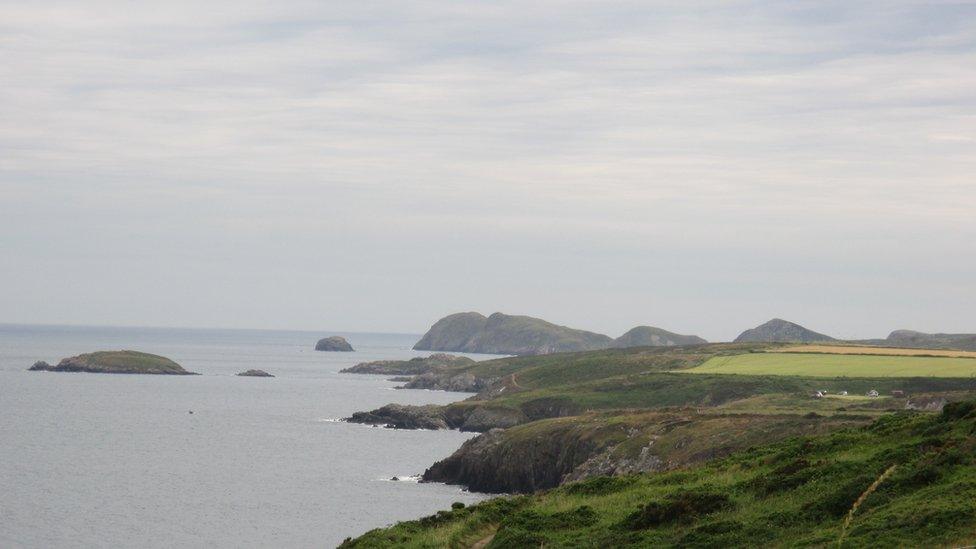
{"x": 794, "y": 493}
{"x": 125, "y": 361}
{"x": 831, "y": 365}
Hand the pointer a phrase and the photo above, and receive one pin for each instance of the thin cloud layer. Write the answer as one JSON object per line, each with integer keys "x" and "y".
{"x": 700, "y": 166}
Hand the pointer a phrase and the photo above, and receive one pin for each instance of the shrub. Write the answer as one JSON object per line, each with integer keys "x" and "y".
{"x": 786, "y": 477}
{"x": 599, "y": 486}
{"x": 680, "y": 507}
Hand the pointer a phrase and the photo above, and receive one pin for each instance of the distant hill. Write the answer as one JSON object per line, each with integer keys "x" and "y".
{"x": 507, "y": 335}
{"x": 779, "y": 330}
{"x": 649, "y": 336}
{"x": 524, "y": 335}
{"x": 910, "y": 338}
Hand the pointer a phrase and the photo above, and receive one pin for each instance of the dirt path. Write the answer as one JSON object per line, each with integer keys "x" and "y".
{"x": 483, "y": 542}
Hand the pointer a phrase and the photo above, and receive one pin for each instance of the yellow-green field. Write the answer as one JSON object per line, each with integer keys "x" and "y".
{"x": 865, "y": 350}
{"x": 826, "y": 365}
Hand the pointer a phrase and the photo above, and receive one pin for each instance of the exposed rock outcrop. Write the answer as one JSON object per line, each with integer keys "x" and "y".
{"x": 115, "y": 362}
{"x": 545, "y": 454}
{"x": 649, "y": 336}
{"x": 507, "y": 335}
{"x": 254, "y": 373}
{"x": 494, "y": 462}
{"x": 781, "y": 331}
{"x": 334, "y": 343}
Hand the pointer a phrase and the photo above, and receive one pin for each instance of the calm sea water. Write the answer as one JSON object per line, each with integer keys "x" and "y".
{"x": 99, "y": 460}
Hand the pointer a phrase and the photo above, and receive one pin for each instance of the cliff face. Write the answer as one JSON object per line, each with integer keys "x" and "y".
{"x": 115, "y": 362}
{"x": 507, "y": 335}
{"x": 496, "y": 462}
{"x": 545, "y": 454}
{"x": 781, "y": 331}
{"x": 649, "y": 336}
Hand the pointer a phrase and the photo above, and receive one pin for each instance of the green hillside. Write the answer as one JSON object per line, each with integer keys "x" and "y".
{"x": 906, "y": 480}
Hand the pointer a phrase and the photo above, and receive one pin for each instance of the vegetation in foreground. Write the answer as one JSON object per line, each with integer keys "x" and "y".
{"x": 907, "y": 479}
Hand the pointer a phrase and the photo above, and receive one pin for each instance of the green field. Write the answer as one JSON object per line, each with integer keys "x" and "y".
{"x": 824, "y": 365}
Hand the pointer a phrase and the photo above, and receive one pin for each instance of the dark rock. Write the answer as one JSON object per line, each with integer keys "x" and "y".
{"x": 115, "y": 362}
{"x": 493, "y": 462}
{"x": 254, "y": 373}
{"x": 782, "y": 331}
{"x": 334, "y": 343}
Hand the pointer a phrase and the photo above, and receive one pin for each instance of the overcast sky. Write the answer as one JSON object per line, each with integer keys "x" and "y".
{"x": 373, "y": 166}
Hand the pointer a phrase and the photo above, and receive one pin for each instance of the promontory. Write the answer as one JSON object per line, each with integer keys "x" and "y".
{"x": 115, "y": 362}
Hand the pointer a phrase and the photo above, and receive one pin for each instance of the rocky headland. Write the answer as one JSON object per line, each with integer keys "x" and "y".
{"x": 439, "y": 371}
{"x": 115, "y": 362}
{"x": 414, "y": 366}
{"x": 335, "y": 344}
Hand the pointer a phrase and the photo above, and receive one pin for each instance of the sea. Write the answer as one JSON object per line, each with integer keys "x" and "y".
{"x": 215, "y": 460}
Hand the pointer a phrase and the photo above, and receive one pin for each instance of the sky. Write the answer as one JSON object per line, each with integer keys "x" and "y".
{"x": 374, "y": 166}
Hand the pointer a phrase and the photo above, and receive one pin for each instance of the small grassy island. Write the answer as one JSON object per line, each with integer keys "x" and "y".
{"x": 115, "y": 362}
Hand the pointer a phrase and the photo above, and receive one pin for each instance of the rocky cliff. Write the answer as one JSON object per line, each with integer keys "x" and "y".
{"x": 547, "y": 453}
